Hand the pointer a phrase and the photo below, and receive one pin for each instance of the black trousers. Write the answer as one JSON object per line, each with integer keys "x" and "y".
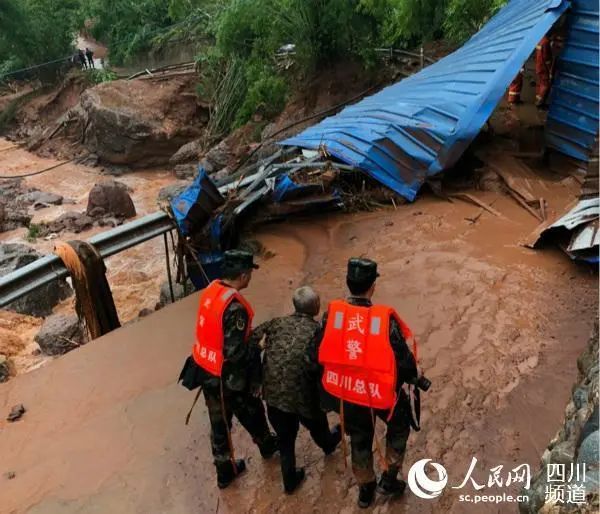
{"x": 286, "y": 425}
{"x": 247, "y": 409}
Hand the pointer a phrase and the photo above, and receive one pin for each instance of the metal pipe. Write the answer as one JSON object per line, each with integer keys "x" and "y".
{"x": 169, "y": 268}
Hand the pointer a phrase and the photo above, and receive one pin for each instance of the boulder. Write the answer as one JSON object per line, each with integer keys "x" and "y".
{"x": 588, "y": 451}
{"x": 186, "y": 171}
{"x": 187, "y": 153}
{"x": 218, "y": 157}
{"x": 13, "y": 213}
{"x": 171, "y": 191}
{"x": 70, "y": 221}
{"x": 60, "y": 334}
{"x": 41, "y": 301}
{"x": 12, "y": 218}
{"x": 40, "y": 197}
{"x": 4, "y": 368}
{"x": 136, "y": 122}
{"x": 179, "y": 292}
{"x": 110, "y": 198}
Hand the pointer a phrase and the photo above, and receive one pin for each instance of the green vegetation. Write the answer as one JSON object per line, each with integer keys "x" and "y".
{"x": 239, "y": 70}
{"x": 35, "y": 31}
{"x": 99, "y": 76}
{"x": 129, "y": 27}
{"x": 33, "y": 232}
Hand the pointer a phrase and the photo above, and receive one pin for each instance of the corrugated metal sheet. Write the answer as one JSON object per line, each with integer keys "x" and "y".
{"x": 572, "y": 126}
{"x": 577, "y": 231}
{"x": 584, "y": 212}
{"x": 423, "y": 124}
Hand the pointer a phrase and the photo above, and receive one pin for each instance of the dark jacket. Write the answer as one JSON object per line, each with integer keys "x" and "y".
{"x": 287, "y": 384}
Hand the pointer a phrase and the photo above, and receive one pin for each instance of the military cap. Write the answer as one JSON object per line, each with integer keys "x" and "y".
{"x": 238, "y": 261}
{"x": 361, "y": 270}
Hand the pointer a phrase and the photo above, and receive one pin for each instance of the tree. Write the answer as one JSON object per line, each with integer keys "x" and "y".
{"x": 35, "y": 31}
{"x": 465, "y": 17}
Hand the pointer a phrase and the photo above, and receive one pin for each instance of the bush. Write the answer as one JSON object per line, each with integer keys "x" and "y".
{"x": 99, "y": 76}
{"x": 33, "y": 232}
{"x": 266, "y": 96}
{"x": 465, "y": 17}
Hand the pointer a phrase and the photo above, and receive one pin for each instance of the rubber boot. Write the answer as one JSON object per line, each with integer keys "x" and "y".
{"x": 366, "y": 494}
{"x": 389, "y": 485}
{"x": 336, "y": 437}
{"x": 293, "y": 484}
{"x": 269, "y": 447}
{"x": 226, "y": 474}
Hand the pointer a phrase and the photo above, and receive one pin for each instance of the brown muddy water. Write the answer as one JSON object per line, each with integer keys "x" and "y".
{"x": 499, "y": 327}
{"x": 135, "y": 275}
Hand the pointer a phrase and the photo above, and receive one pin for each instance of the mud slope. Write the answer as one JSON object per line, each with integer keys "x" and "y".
{"x": 499, "y": 326}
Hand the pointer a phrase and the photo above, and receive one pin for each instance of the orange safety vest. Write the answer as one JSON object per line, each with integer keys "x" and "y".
{"x": 357, "y": 356}
{"x": 208, "y": 349}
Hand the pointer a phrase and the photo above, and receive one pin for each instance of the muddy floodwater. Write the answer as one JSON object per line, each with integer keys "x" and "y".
{"x": 499, "y": 328}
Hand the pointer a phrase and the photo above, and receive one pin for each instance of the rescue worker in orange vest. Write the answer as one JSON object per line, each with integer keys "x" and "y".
{"x": 515, "y": 88}
{"x": 364, "y": 362}
{"x": 229, "y": 368}
{"x": 543, "y": 70}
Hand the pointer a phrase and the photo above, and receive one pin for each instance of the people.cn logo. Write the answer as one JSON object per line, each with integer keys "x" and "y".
{"x": 421, "y": 485}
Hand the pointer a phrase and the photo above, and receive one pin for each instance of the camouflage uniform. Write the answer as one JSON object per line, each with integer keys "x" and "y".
{"x": 291, "y": 394}
{"x": 358, "y": 420}
{"x": 241, "y": 378}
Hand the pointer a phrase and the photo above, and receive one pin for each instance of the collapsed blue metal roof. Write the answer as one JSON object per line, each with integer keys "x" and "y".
{"x": 423, "y": 124}
{"x": 572, "y": 126}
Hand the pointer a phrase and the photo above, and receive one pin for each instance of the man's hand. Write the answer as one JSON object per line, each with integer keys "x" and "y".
{"x": 263, "y": 342}
{"x": 256, "y": 391}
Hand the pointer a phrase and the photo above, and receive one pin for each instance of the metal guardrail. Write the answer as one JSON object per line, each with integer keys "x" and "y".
{"x": 395, "y": 52}
{"x": 46, "y": 269}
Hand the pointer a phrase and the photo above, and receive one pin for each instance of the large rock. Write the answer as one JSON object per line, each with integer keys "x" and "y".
{"x": 13, "y": 213}
{"x": 171, "y": 191}
{"x": 4, "y": 368}
{"x": 70, "y": 221}
{"x": 187, "y": 153}
{"x": 40, "y": 197}
{"x": 138, "y": 122}
{"x": 186, "y": 171}
{"x": 60, "y": 334}
{"x": 218, "y": 157}
{"x": 179, "y": 292}
{"x": 110, "y": 198}
{"x": 41, "y": 301}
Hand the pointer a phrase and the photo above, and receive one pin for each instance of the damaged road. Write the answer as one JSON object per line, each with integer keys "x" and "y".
{"x": 104, "y": 429}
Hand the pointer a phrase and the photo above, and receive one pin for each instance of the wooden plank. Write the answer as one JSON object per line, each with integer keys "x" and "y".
{"x": 543, "y": 209}
{"x": 473, "y": 199}
{"x": 524, "y": 204}
{"x": 514, "y": 181}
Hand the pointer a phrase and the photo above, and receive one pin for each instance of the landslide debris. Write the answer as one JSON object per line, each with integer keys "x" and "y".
{"x": 139, "y": 122}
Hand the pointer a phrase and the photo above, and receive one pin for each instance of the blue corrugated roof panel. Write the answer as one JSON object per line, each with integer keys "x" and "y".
{"x": 572, "y": 126}
{"x": 423, "y": 124}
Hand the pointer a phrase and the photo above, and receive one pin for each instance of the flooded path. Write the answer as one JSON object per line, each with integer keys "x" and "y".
{"x": 499, "y": 327}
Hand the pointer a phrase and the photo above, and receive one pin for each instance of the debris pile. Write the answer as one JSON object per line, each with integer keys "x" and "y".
{"x": 289, "y": 182}
{"x": 577, "y": 443}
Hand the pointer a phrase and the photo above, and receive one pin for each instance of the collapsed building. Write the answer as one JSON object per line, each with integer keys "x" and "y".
{"x": 410, "y": 132}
